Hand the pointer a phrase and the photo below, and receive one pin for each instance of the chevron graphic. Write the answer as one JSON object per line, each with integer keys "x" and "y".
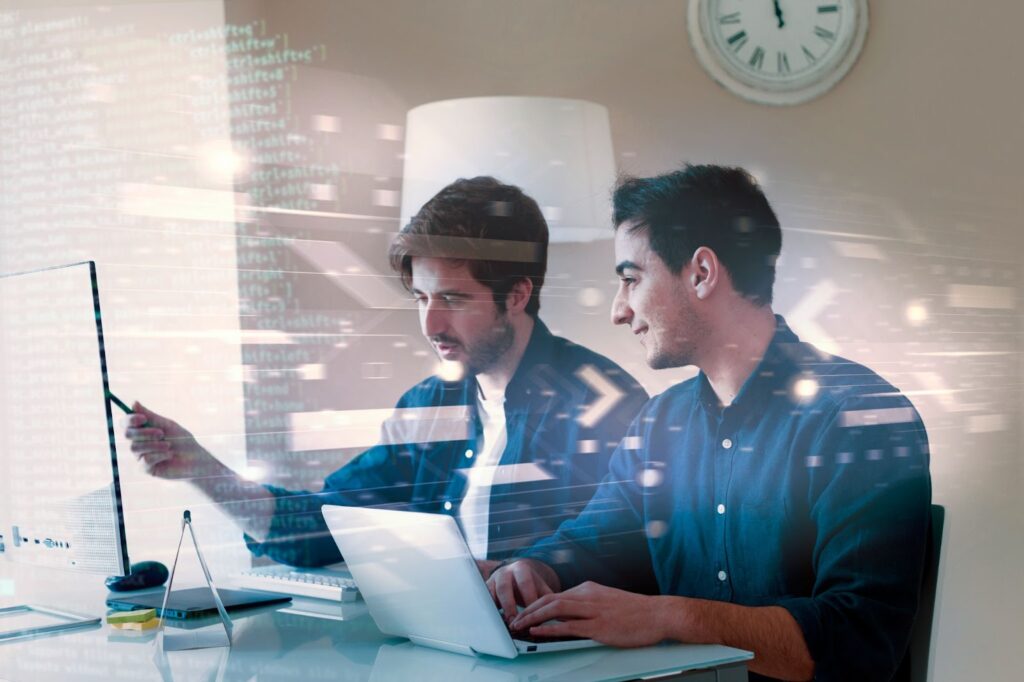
{"x": 803, "y": 315}
{"x": 608, "y": 393}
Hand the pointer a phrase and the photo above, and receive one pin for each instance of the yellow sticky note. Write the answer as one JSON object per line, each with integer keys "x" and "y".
{"x": 145, "y": 625}
{"x": 140, "y": 616}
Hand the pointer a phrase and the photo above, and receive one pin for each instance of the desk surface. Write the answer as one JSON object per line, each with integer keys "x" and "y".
{"x": 279, "y": 643}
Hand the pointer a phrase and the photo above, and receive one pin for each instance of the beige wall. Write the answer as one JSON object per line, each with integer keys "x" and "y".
{"x": 915, "y": 153}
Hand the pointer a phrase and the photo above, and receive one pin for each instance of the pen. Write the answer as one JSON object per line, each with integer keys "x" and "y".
{"x": 117, "y": 401}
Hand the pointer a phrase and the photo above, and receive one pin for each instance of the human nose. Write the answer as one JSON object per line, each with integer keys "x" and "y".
{"x": 433, "y": 321}
{"x": 621, "y": 312}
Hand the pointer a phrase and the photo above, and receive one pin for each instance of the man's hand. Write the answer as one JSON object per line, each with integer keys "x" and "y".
{"x": 487, "y": 567}
{"x": 522, "y": 581}
{"x": 165, "y": 448}
{"x": 608, "y": 615}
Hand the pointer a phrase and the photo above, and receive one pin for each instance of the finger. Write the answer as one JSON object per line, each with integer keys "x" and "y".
{"x": 527, "y": 587}
{"x": 135, "y": 419}
{"x": 560, "y": 609}
{"x": 531, "y": 608}
{"x": 144, "y": 434}
{"x": 148, "y": 416}
{"x": 565, "y": 628}
{"x": 506, "y": 596}
{"x": 156, "y": 446}
{"x": 490, "y": 588}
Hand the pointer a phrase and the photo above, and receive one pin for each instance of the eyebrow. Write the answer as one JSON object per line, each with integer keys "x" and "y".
{"x": 626, "y": 264}
{"x": 455, "y": 293}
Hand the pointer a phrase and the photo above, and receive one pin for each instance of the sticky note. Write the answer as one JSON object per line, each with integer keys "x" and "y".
{"x": 131, "y": 616}
{"x": 146, "y": 625}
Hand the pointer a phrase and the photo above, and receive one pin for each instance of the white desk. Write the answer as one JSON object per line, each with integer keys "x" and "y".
{"x": 275, "y": 643}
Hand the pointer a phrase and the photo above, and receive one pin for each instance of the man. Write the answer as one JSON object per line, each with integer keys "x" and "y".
{"x": 511, "y": 450}
{"x": 781, "y": 497}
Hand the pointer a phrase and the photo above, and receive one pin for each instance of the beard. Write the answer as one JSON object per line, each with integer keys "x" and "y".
{"x": 483, "y": 353}
{"x": 680, "y": 349}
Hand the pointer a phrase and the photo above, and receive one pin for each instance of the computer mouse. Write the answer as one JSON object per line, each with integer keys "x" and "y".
{"x": 143, "y": 574}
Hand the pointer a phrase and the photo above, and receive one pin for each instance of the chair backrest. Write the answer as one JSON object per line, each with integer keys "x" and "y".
{"x": 916, "y": 660}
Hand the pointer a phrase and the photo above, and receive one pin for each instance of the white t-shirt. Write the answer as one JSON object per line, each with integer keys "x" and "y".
{"x": 475, "y": 507}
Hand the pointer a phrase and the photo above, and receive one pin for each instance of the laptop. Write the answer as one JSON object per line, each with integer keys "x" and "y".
{"x": 420, "y": 581}
{"x": 194, "y": 602}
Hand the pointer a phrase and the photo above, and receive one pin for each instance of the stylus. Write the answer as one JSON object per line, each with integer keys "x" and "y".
{"x": 117, "y": 401}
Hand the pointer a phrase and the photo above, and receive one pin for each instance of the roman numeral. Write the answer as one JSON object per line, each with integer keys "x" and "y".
{"x": 810, "y": 55}
{"x": 738, "y": 40}
{"x": 825, "y": 34}
{"x": 731, "y": 18}
{"x": 782, "y": 61}
{"x": 757, "y": 58}
{"x": 825, "y": 9}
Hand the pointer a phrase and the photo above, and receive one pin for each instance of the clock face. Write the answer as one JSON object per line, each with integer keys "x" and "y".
{"x": 778, "y": 51}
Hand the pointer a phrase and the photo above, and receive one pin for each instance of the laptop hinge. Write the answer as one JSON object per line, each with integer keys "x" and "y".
{"x": 447, "y": 646}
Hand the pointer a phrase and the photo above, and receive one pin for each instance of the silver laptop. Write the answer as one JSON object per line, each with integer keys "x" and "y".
{"x": 420, "y": 581}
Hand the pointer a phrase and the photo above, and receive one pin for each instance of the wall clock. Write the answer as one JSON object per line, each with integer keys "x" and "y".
{"x": 779, "y": 52}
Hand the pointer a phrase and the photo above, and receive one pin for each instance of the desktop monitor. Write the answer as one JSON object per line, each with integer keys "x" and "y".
{"x": 60, "y": 497}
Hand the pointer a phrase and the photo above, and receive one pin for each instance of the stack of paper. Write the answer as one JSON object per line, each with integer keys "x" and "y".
{"x": 145, "y": 619}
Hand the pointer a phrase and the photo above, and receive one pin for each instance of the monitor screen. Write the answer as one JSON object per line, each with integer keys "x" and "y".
{"x": 59, "y": 490}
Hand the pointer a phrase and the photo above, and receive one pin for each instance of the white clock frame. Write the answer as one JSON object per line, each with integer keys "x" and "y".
{"x": 772, "y": 93}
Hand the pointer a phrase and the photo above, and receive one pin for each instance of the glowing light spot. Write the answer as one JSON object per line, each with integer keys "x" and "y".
{"x": 447, "y": 370}
{"x": 805, "y": 389}
{"x": 220, "y": 161}
{"x": 917, "y": 313}
{"x": 655, "y": 529}
{"x": 649, "y": 478}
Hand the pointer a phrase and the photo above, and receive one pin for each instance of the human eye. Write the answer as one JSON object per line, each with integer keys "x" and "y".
{"x": 454, "y": 301}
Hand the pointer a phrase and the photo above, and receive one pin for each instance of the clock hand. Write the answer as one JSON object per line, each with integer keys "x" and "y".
{"x": 778, "y": 13}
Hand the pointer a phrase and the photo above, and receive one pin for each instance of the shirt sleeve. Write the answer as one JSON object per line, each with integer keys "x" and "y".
{"x": 380, "y": 476}
{"x": 869, "y": 495}
{"x": 606, "y": 542}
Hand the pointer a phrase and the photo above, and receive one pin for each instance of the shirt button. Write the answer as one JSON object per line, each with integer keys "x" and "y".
{"x": 727, "y": 443}
{"x": 722, "y": 576}
{"x": 721, "y": 509}
{"x": 447, "y": 505}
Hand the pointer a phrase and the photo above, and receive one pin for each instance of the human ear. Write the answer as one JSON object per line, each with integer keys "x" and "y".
{"x": 519, "y": 295}
{"x": 705, "y": 272}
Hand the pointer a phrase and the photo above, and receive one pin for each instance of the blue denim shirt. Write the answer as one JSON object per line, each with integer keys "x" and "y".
{"x": 819, "y": 505}
{"x": 555, "y": 419}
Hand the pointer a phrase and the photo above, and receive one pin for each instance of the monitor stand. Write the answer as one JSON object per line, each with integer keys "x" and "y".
{"x": 205, "y": 638}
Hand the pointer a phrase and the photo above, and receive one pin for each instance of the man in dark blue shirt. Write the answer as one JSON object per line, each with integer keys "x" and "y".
{"x": 512, "y": 448}
{"x": 781, "y": 497}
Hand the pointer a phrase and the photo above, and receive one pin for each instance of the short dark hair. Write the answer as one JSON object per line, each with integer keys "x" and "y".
{"x": 496, "y": 229}
{"x": 719, "y": 207}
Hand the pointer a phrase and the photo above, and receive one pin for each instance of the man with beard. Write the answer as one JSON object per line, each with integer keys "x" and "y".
{"x": 511, "y": 450}
{"x": 781, "y": 497}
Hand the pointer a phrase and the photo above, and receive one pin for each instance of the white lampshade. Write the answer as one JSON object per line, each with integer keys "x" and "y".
{"x": 559, "y": 151}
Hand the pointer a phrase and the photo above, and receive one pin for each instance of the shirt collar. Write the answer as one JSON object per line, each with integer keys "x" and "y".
{"x": 781, "y": 360}
{"x": 525, "y": 380}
